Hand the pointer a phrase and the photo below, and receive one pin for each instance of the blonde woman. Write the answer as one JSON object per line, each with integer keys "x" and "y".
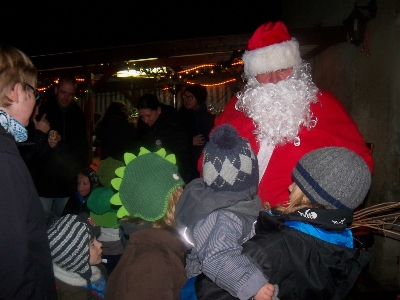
{"x": 25, "y": 262}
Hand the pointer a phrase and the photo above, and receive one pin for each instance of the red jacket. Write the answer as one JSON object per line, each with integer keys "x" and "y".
{"x": 335, "y": 127}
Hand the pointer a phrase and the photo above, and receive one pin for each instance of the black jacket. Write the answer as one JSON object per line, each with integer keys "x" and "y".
{"x": 34, "y": 147}
{"x": 115, "y": 136}
{"x": 55, "y": 173}
{"x": 75, "y": 205}
{"x": 304, "y": 267}
{"x": 196, "y": 122}
{"x": 26, "y": 270}
{"x": 168, "y": 133}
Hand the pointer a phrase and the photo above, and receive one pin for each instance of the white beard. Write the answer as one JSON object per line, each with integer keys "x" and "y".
{"x": 279, "y": 110}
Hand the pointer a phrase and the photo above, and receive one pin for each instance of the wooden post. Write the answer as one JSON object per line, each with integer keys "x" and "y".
{"x": 89, "y": 112}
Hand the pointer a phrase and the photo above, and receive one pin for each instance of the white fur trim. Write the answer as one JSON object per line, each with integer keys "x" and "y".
{"x": 75, "y": 279}
{"x": 272, "y": 58}
{"x": 263, "y": 156}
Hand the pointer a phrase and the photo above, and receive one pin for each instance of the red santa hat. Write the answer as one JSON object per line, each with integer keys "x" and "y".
{"x": 269, "y": 49}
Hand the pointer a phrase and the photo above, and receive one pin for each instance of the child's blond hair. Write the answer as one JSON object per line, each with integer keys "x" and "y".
{"x": 300, "y": 202}
{"x": 168, "y": 219}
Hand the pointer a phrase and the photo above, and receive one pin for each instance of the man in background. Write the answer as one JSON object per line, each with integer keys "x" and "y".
{"x": 55, "y": 174}
{"x": 159, "y": 127}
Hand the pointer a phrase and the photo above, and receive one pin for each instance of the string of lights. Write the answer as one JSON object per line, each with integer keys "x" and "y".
{"x": 166, "y": 74}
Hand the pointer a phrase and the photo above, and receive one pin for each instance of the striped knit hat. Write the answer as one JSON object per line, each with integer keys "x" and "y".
{"x": 69, "y": 239}
{"x": 335, "y": 177}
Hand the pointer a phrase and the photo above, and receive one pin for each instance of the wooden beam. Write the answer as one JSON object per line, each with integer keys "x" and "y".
{"x": 168, "y": 49}
{"x": 173, "y": 54}
{"x": 104, "y": 78}
{"x": 314, "y": 51}
{"x": 320, "y": 35}
{"x": 89, "y": 114}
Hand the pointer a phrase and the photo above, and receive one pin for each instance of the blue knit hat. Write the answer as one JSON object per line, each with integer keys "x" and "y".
{"x": 229, "y": 163}
{"x": 334, "y": 177}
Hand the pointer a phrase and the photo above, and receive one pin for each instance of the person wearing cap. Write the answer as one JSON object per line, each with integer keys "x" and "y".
{"x": 86, "y": 181}
{"x": 216, "y": 214}
{"x": 159, "y": 127}
{"x": 197, "y": 120}
{"x": 26, "y": 270}
{"x": 76, "y": 255}
{"x": 283, "y": 114}
{"x": 306, "y": 246}
{"x": 104, "y": 214}
{"x": 151, "y": 266}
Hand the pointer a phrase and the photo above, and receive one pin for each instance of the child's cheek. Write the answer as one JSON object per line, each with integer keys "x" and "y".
{"x": 84, "y": 191}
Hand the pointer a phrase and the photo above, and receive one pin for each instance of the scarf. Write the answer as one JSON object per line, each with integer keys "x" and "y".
{"x": 13, "y": 127}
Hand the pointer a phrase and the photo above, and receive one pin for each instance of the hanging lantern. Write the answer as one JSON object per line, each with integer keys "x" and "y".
{"x": 356, "y": 23}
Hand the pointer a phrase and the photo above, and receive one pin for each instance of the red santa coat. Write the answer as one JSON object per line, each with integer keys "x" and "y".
{"x": 335, "y": 127}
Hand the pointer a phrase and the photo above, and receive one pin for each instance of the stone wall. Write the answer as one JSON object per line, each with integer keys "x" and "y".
{"x": 369, "y": 87}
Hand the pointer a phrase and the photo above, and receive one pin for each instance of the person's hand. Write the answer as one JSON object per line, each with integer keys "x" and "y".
{"x": 267, "y": 292}
{"x": 198, "y": 140}
{"x": 54, "y": 142}
{"x": 42, "y": 124}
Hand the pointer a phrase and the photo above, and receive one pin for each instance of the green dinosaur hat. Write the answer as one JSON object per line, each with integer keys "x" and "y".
{"x": 101, "y": 210}
{"x": 106, "y": 170}
{"x": 145, "y": 184}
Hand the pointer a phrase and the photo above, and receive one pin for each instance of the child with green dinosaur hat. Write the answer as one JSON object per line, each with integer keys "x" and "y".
{"x": 104, "y": 214}
{"x": 151, "y": 266}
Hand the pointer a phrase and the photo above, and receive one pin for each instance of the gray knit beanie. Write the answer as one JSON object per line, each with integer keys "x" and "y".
{"x": 334, "y": 177}
{"x": 69, "y": 239}
{"x": 229, "y": 163}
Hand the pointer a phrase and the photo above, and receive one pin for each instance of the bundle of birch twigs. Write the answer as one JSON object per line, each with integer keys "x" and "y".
{"x": 383, "y": 217}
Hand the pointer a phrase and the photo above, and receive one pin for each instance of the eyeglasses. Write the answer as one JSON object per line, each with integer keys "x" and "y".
{"x": 187, "y": 97}
{"x": 35, "y": 91}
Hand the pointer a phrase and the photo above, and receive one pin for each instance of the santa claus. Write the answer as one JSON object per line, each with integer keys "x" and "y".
{"x": 283, "y": 114}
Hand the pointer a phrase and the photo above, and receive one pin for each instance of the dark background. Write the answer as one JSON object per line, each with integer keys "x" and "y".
{"x": 39, "y": 28}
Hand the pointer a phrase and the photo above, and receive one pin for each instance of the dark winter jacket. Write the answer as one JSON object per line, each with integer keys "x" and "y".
{"x": 303, "y": 266}
{"x": 196, "y": 122}
{"x": 115, "y": 136}
{"x": 76, "y": 204}
{"x": 55, "y": 173}
{"x": 168, "y": 133}
{"x": 26, "y": 270}
{"x": 35, "y": 146}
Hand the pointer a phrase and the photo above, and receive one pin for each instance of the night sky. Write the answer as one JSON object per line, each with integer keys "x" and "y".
{"x": 38, "y": 28}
